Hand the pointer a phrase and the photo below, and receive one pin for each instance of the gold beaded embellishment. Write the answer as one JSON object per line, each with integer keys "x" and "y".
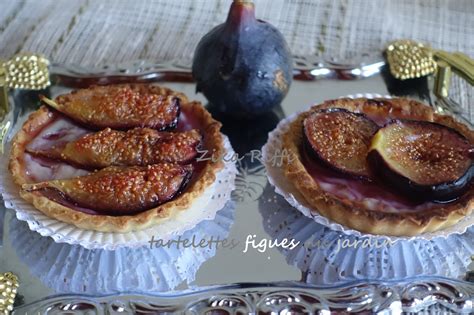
{"x": 22, "y": 71}
{"x": 8, "y": 289}
{"x": 27, "y": 71}
{"x": 409, "y": 59}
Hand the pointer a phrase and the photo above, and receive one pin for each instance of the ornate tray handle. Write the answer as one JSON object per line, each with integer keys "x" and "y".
{"x": 22, "y": 71}
{"x": 409, "y": 59}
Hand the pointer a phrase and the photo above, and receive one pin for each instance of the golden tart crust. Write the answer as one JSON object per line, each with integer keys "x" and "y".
{"x": 213, "y": 142}
{"x": 354, "y": 214}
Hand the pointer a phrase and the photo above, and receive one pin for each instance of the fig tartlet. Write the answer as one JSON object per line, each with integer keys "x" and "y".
{"x": 99, "y": 158}
{"x": 361, "y": 196}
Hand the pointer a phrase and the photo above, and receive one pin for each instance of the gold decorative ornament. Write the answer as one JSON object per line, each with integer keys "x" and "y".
{"x": 409, "y": 59}
{"x": 27, "y": 71}
{"x": 8, "y": 289}
{"x": 22, "y": 71}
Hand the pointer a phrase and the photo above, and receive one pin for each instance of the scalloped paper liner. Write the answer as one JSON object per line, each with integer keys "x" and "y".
{"x": 326, "y": 256}
{"x": 203, "y": 208}
{"x": 74, "y": 269}
{"x": 294, "y": 197}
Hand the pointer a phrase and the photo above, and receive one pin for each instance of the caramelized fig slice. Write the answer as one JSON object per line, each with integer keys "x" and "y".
{"x": 340, "y": 139}
{"x": 140, "y": 146}
{"x": 121, "y": 190}
{"x": 120, "y": 106}
{"x": 424, "y": 160}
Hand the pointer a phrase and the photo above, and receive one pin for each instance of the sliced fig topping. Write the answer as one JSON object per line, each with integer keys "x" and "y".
{"x": 136, "y": 147}
{"x": 424, "y": 160}
{"x": 340, "y": 139}
{"x": 120, "y": 106}
{"x": 121, "y": 190}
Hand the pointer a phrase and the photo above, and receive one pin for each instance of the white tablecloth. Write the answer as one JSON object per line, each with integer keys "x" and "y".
{"x": 98, "y": 32}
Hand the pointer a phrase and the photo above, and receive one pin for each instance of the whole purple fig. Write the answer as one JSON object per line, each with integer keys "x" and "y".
{"x": 243, "y": 66}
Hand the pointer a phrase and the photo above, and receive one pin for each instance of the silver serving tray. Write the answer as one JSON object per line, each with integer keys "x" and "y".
{"x": 231, "y": 281}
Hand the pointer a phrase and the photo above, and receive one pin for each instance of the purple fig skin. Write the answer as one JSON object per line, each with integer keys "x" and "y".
{"x": 442, "y": 193}
{"x": 243, "y": 66}
{"x": 312, "y": 152}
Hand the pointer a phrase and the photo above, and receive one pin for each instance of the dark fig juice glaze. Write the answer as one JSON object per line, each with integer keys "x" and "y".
{"x": 57, "y": 196}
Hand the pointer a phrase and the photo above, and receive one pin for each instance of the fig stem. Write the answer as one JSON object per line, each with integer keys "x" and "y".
{"x": 242, "y": 12}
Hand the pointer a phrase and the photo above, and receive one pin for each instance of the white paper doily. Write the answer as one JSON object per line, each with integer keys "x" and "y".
{"x": 326, "y": 256}
{"x": 203, "y": 208}
{"x": 74, "y": 269}
{"x": 294, "y": 197}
